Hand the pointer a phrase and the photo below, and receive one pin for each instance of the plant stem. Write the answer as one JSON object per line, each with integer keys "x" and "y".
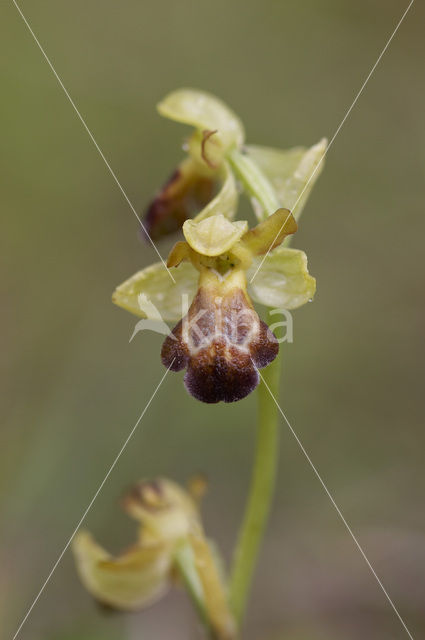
{"x": 260, "y": 494}
{"x": 185, "y": 563}
{"x": 254, "y": 181}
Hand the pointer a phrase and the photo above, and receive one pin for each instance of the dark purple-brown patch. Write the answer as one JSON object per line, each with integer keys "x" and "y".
{"x": 147, "y": 494}
{"x": 184, "y": 194}
{"x": 221, "y": 342}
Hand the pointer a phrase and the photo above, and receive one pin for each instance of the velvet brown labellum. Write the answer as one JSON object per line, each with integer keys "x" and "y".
{"x": 221, "y": 341}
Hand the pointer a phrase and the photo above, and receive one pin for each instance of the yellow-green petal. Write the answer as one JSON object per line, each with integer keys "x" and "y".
{"x": 292, "y": 172}
{"x": 156, "y": 285}
{"x": 283, "y": 281}
{"x": 131, "y": 581}
{"x": 205, "y": 112}
{"x": 226, "y": 200}
{"x": 270, "y": 233}
{"x": 214, "y": 235}
{"x": 179, "y": 253}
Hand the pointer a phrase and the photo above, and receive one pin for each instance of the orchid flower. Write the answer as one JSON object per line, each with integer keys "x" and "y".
{"x": 223, "y": 266}
{"x": 142, "y": 574}
{"x": 171, "y": 545}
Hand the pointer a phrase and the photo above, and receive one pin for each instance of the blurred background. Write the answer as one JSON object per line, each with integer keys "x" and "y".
{"x": 72, "y": 385}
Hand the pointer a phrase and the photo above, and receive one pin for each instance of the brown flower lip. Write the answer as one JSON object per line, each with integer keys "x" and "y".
{"x": 222, "y": 342}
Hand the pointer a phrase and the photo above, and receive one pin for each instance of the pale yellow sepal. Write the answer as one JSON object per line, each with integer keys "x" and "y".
{"x": 214, "y": 235}
{"x": 205, "y": 112}
{"x": 292, "y": 172}
{"x": 155, "y": 283}
{"x": 283, "y": 280}
{"x": 131, "y": 581}
{"x": 214, "y": 587}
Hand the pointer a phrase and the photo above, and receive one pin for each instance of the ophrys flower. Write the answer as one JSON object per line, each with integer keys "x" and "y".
{"x": 171, "y": 546}
{"x": 220, "y": 339}
{"x": 222, "y": 265}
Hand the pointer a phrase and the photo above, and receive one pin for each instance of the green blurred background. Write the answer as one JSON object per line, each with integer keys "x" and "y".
{"x": 72, "y": 385}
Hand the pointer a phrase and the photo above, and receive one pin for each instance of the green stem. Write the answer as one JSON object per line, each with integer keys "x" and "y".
{"x": 254, "y": 181}
{"x": 261, "y": 492}
{"x": 185, "y": 564}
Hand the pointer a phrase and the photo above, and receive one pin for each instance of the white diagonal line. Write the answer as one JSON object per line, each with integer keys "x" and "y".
{"x": 336, "y": 132}
{"x": 347, "y": 526}
{"x": 53, "y": 569}
{"x": 111, "y": 171}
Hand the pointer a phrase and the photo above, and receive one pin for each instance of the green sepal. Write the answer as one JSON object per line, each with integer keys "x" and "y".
{"x": 131, "y": 581}
{"x": 155, "y": 284}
